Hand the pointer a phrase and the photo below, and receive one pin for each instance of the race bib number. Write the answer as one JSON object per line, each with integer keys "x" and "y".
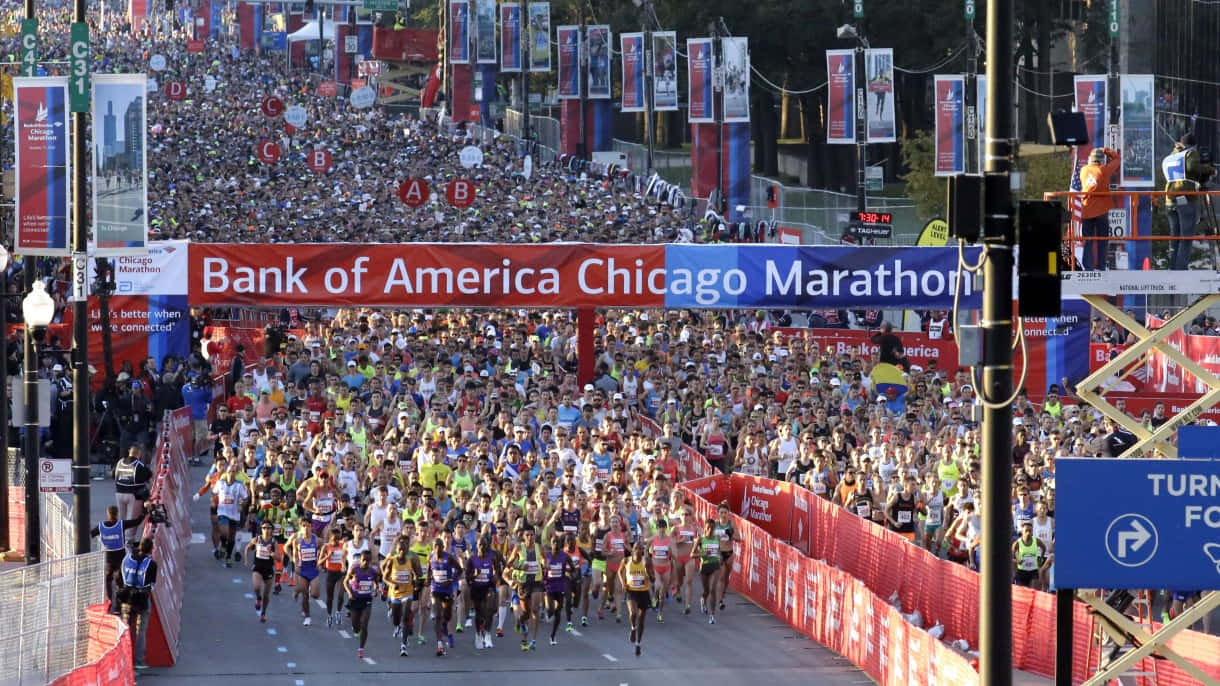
{"x": 364, "y": 587}
{"x": 484, "y": 575}
{"x": 904, "y": 517}
{"x": 402, "y": 576}
{"x": 819, "y": 488}
{"x": 440, "y": 576}
{"x": 715, "y": 450}
{"x": 263, "y": 551}
{"x": 947, "y": 485}
{"x": 1028, "y": 563}
{"x": 554, "y": 571}
{"x": 863, "y": 510}
{"x": 531, "y": 567}
{"x": 309, "y": 554}
{"x": 336, "y": 556}
{"x": 635, "y": 580}
{"x": 933, "y": 517}
{"x": 661, "y": 552}
{"x": 227, "y": 500}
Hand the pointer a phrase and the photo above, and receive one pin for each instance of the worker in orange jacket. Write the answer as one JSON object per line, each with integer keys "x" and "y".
{"x": 1095, "y": 221}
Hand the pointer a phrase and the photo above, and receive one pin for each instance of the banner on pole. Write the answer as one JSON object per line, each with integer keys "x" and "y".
{"x": 980, "y": 108}
{"x": 840, "y": 98}
{"x": 664, "y": 71}
{"x": 485, "y": 31}
{"x": 1090, "y": 93}
{"x": 459, "y": 32}
{"x": 735, "y": 53}
{"x": 43, "y": 165}
{"x": 510, "y": 37}
{"x": 540, "y": 36}
{"x": 631, "y": 48}
{"x": 699, "y": 66}
{"x": 950, "y": 125}
{"x": 120, "y": 170}
{"x": 569, "y": 62}
{"x": 1138, "y": 141}
{"x": 597, "y": 48}
{"x": 881, "y": 126}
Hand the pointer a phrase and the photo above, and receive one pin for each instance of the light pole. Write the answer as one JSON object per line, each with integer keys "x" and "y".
{"x": 848, "y": 31}
{"x": 4, "y": 399}
{"x": 37, "y": 309}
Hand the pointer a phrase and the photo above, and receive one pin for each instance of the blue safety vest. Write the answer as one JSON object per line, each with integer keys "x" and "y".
{"x": 135, "y": 571}
{"x": 1174, "y": 166}
{"x": 111, "y": 535}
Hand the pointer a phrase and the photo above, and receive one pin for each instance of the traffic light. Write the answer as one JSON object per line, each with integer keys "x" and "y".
{"x": 965, "y": 203}
{"x": 1040, "y": 226}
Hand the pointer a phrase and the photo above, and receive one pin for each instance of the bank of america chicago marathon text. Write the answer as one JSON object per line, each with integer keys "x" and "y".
{"x": 593, "y": 276}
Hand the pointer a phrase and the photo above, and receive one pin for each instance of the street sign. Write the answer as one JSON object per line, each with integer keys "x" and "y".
{"x": 78, "y": 82}
{"x": 414, "y": 192}
{"x": 351, "y": 44}
{"x": 857, "y": 9}
{"x": 29, "y": 47}
{"x": 460, "y": 193}
{"x": 268, "y": 152}
{"x": 272, "y": 107}
{"x": 55, "y": 475}
{"x": 1123, "y": 523}
{"x": 1112, "y": 14}
{"x": 383, "y": 5}
{"x": 175, "y": 90}
{"x": 969, "y": 10}
{"x": 319, "y": 161}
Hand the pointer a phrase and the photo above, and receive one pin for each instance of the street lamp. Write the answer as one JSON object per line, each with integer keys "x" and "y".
{"x": 37, "y": 309}
{"x": 4, "y": 399}
{"x": 849, "y": 32}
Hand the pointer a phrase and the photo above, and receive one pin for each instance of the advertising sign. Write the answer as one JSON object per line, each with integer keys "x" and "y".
{"x": 540, "y": 36}
{"x": 459, "y": 32}
{"x": 735, "y": 53}
{"x": 1090, "y": 93}
{"x": 43, "y": 166}
{"x": 881, "y": 125}
{"x": 664, "y": 71}
{"x": 950, "y": 125}
{"x": 1138, "y": 141}
{"x": 569, "y": 61}
{"x": 699, "y": 65}
{"x": 841, "y": 101}
{"x": 597, "y": 49}
{"x": 631, "y": 48}
{"x": 510, "y": 37}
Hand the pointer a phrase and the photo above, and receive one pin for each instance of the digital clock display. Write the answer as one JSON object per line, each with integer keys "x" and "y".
{"x": 873, "y": 217}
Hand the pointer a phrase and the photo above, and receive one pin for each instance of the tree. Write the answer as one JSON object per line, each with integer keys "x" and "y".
{"x": 923, "y": 186}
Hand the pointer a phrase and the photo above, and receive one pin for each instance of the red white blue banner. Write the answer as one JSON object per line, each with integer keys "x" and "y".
{"x": 120, "y": 169}
{"x": 881, "y": 125}
{"x": 631, "y": 48}
{"x": 699, "y": 66}
{"x": 597, "y": 50}
{"x": 1137, "y": 114}
{"x": 485, "y": 31}
{"x": 43, "y": 165}
{"x": 950, "y": 125}
{"x": 459, "y": 32}
{"x": 735, "y": 54}
{"x": 1091, "y": 101}
{"x": 840, "y": 99}
{"x": 510, "y": 37}
{"x": 664, "y": 71}
{"x": 540, "y": 36}
{"x": 569, "y": 61}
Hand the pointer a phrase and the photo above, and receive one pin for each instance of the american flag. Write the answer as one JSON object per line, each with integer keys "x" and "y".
{"x": 1075, "y": 202}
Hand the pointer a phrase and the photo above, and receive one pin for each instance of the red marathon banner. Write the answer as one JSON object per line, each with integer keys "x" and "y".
{"x": 472, "y": 275}
{"x": 764, "y": 502}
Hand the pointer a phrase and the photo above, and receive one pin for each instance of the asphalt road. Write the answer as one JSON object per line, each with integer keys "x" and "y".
{"x": 120, "y": 212}
{"x": 222, "y": 639}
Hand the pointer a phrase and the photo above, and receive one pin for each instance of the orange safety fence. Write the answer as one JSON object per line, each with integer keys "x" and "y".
{"x": 834, "y": 567}
{"x": 109, "y": 653}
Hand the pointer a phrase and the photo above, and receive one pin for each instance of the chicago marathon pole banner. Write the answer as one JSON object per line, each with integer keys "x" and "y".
{"x": 576, "y": 275}
{"x": 120, "y": 169}
{"x": 735, "y": 53}
{"x": 1136, "y": 116}
{"x": 539, "y": 36}
{"x": 43, "y": 165}
{"x": 597, "y": 54}
{"x": 631, "y": 47}
{"x": 510, "y": 37}
{"x": 840, "y": 97}
{"x": 879, "y": 73}
{"x": 569, "y": 62}
{"x": 699, "y": 67}
{"x": 664, "y": 71}
{"x": 485, "y": 31}
{"x": 950, "y": 125}
{"x": 459, "y": 32}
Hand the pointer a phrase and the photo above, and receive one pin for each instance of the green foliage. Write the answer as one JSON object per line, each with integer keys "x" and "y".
{"x": 923, "y": 186}
{"x": 1045, "y": 173}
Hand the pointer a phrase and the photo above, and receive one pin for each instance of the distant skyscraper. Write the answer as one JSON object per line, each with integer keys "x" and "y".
{"x": 133, "y": 133}
{"x": 109, "y": 134}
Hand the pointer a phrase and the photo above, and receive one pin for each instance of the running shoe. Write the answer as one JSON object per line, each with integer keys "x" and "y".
{"x": 722, "y": 603}
{"x": 228, "y": 563}
{"x": 258, "y": 604}
{"x": 330, "y": 621}
{"x": 533, "y": 645}
{"x": 600, "y": 614}
{"x": 569, "y": 628}
{"x": 216, "y": 553}
{"x": 262, "y": 617}
{"x": 419, "y": 638}
{"x": 237, "y": 557}
{"x": 711, "y": 619}
{"x": 397, "y": 632}
{"x": 307, "y": 621}
{"x": 360, "y": 653}
{"x": 525, "y": 646}
{"x": 459, "y": 628}
{"x": 277, "y": 589}
{"x": 686, "y": 610}
{"x": 478, "y": 640}
{"x": 450, "y": 640}
{"x": 632, "y": 639}
{"x": 660, "y": 618}
{"x": 584, "y": 621}
{"x": 678, "y": 597}
{"x": 440, "y": 649}
{"x": 402, "y": 650}
{"x": 469, "y": 620}
{"x": 500, "y": 632}
{"x": 703, "y": 605}
{"x": 637, "y": 650}
{"x": 487, "y": 640}
{"x": 554, "y": 642}
{"x": 618, "y": 617}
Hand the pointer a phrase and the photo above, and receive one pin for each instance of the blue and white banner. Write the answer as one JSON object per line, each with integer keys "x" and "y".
{"x": 569, "y": 61}
{"x": 664, "y": 71}
{"x": 597, "y": 50}
{"x": 735, "y": 56}
{"x": 510, "y": 37}
{"x": 459, "y": 32}
{"x": 539, "y": 36}
{"x": 631, "y": 47}
{"x": 43, "y": 165}
{"x": 1136, "y": 117}
{"x": 815, "y": 277}
{"x": 880, "y": 125}
{"x": 485, "y": 31}
{"x": 699, "y": 67}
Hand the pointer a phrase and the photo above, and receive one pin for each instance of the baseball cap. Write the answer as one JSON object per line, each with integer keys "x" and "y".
{"x": 57, "y": 368}
{"x": 351, "y": 363}
{"x": 588, "y": 387}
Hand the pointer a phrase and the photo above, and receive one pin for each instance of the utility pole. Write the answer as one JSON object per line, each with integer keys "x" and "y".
{"x": 446, "y": 82}
{"x": 583, "y": 68}
{"x": 29, "y": 445}
{"x": 527, "y": 39}
{"x": 861, "y": 123}
{"x": 80, "y": 306}
{"x": 716, "y": 110}
{"x": 649, "y": 116}
{"x": 999, "y": 229}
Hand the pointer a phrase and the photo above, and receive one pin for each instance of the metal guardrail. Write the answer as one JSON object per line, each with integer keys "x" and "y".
{"x": 44, "y": 630}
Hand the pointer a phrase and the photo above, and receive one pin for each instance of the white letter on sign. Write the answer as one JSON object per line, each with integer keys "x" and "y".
{"x": 215, "y": 271}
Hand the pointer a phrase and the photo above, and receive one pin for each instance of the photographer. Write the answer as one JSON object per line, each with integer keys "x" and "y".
{"x": 1184, "y": 170}
{"x": 138, "y": 574}
{"x": 131, "y": 483}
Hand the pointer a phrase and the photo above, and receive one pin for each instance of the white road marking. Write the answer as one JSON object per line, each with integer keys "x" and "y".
{"x": 270, "y": 631}
{"x": 320, "y": 603}
{"x": 237, "y": 581}
{"x": 197, "y": 538}
{"x": 291, "y": 665}
{"x": 576, "y": 633}
{"x": 344, "y": 634}
{"x": 249, "y": 596}
{"x": 610, "y": 657}
{"x": 282, "y": 649}
{"x": 369, "y": 660}
{"x": 300, "y": 682}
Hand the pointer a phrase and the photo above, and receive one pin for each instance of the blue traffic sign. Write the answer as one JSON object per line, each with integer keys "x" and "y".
{"x": 1137, "y": 524}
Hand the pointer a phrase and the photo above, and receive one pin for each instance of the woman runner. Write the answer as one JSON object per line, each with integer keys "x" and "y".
{"x": 660, "y": 548}
{"x": 707, "y": 550}
{"x": 303, "y": 549}
{"x": 332, "y": 556}
{"x": 362, "y": 579}
{"x": 558, "y": 573}
{"x": 262, "y": 564}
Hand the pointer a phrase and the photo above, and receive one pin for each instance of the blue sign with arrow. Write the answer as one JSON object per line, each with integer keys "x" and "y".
{"x": 1137, "y": 524}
